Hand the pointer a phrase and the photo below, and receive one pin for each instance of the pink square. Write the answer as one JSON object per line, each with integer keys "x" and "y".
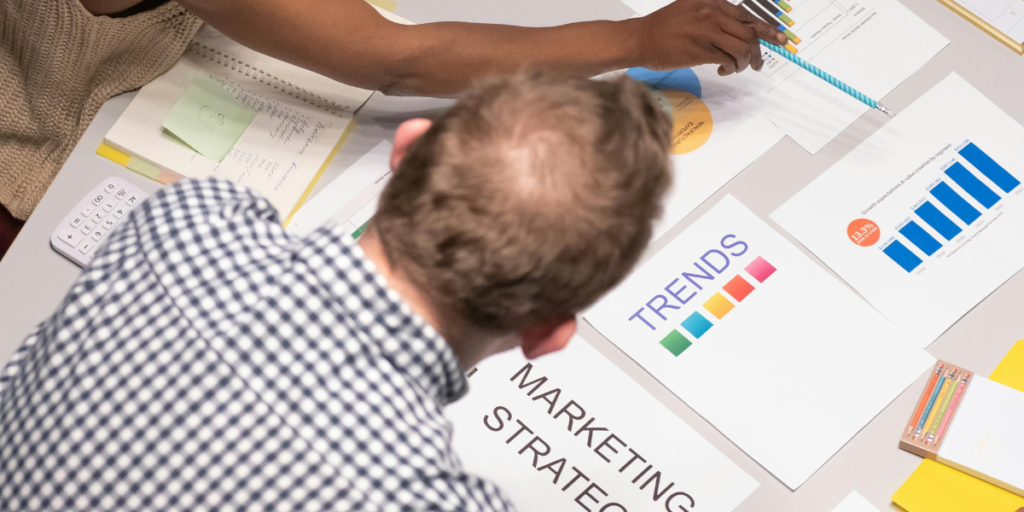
{"x": 760, "y": 269}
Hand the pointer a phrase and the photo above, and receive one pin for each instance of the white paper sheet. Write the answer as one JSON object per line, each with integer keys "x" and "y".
{"x": 647, "y": 459}
{"x": 791, "y": 372}
{"x": 352, "y": 196}
{"x": 872, "y": 45}
{"x": 893, "y": 182}
{"x": 854, "y": 502}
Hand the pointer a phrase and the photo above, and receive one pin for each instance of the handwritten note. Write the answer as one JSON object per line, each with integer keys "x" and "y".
{"x": 208, "y": 118}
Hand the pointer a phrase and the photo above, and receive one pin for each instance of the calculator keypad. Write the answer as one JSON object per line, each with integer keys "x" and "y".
{"x": 85, "y": 229}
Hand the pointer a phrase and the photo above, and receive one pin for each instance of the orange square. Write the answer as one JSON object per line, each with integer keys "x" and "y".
{"x": 738, "y": 288}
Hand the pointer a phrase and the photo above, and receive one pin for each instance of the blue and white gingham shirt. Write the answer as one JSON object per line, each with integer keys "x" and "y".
{"x": 205, "y": 360}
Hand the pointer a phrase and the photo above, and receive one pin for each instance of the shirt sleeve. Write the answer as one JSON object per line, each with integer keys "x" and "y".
{"x": 187, "y": 227}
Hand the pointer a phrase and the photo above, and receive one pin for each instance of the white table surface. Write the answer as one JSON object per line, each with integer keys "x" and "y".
{"x": 34, "y": 278}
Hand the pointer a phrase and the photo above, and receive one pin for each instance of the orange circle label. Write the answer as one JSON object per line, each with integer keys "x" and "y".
{"x": 691, "y": 119}
{"x": 863, "y": 232}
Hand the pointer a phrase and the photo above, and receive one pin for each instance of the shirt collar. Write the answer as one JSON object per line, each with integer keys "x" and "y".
{"x": 412, "y": 346}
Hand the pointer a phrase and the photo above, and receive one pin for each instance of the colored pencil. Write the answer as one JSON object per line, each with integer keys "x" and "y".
{"x": 935, "y": 406}
{"x": 928, "y": 408}
{"x": 942, "y": 409}
{"x": 771, "y": 20}
{"x": 924, "y": 399}
{"x": 952, "y": 408}
{"x": 790, "y": 55}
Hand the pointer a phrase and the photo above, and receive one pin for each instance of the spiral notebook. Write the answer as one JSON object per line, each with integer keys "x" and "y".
{"x": 301, "y": 120}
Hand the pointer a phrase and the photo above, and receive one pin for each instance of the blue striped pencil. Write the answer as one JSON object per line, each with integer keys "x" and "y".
{"x": 827, "y": 77}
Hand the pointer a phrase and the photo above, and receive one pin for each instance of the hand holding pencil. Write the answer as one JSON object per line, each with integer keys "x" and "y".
{"x": 688, "y": 33}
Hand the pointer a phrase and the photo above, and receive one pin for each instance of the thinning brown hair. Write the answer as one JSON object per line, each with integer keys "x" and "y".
{"x": 528, "y": 199}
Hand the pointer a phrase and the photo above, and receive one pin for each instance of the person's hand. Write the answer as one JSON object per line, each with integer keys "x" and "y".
{"x": 689, "y": 33}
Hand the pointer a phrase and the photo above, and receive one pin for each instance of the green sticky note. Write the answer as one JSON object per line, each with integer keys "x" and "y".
{"x": 208, "y": 118}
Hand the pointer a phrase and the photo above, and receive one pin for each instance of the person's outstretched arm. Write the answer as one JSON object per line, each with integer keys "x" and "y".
{"x": 348, "y": 40}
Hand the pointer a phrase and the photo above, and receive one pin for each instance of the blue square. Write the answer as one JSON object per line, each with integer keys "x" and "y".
{"x": 696, "y": 324}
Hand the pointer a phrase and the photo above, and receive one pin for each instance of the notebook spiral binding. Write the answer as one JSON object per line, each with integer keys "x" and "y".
{"x": 258, "y": 75}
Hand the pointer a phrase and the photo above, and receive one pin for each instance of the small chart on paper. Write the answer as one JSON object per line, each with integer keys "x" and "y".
{"x": 923, "y": 218}
{"x": 958, "y": 205}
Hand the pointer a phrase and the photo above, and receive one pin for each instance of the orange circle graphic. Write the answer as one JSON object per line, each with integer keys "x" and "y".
{"x": 863, "y": 232}
{"x": 691, "y": 119}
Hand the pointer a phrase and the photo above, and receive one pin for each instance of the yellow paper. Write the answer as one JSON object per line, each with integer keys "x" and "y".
{"x": 936, "y": 487}
{"x": 387, "y": 5}
{"x": 112, "y": 154}
{"x": 320, "y": 173}
{"x": 1010, "y": 372}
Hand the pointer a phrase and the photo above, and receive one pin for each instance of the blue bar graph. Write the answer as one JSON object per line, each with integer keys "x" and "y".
{"x": 972, "y": 185}
{"x": 902, "y": 256}
{"x": 956, "y": 204}
{"x": 919, "y": 237}
{"x": 989, "y": 167}
{"x": 939, "y": 222}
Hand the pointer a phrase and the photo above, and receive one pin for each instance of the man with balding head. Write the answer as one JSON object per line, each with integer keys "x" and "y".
{"x": 206, "y": 360}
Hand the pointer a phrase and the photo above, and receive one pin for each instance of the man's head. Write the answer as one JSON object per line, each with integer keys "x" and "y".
{"x": 523, "y": 204}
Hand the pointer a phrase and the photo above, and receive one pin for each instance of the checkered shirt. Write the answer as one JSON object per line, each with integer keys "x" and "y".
{"x": 206, "y": 360}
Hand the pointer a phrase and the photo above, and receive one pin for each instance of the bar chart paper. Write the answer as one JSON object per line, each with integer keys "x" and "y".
{"x": 758, "y": 339}
{"x": 572, "y": 426}
{"x": 924, "y": 218}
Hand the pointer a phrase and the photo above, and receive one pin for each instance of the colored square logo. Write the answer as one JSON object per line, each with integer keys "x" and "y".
{"x": 696, "y": 324}
{"x": 718, "y": 305}
{"x": 676, "y": 343}
{"x": 738, "y": 288}
{"x": 760, "y": 269}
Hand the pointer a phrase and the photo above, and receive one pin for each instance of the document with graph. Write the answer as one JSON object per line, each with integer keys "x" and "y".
{"x": 761, "y": 341}
{"x": 924, "y": 218}
{"x": 872, "y": 45}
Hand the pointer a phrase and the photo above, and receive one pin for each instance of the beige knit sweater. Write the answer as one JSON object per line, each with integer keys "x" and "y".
{"x": 58, "y": 64}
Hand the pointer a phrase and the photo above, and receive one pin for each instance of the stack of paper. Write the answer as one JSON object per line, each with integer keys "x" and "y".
{"x": 936, "y": 487}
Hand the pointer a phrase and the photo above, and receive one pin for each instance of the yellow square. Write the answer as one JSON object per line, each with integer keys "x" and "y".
{"x": 718, "y": 305}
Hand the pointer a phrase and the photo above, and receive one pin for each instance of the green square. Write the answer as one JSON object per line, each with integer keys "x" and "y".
{"x": 676, "y": 343}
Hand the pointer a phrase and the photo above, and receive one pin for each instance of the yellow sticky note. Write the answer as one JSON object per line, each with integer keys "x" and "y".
{"x": 1010, "y": 372}
{"x": 935, "y": 487}
{"x": 208, "y": 118}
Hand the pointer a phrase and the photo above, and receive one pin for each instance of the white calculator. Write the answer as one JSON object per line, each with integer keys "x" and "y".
{"x": 87, "y": 225}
